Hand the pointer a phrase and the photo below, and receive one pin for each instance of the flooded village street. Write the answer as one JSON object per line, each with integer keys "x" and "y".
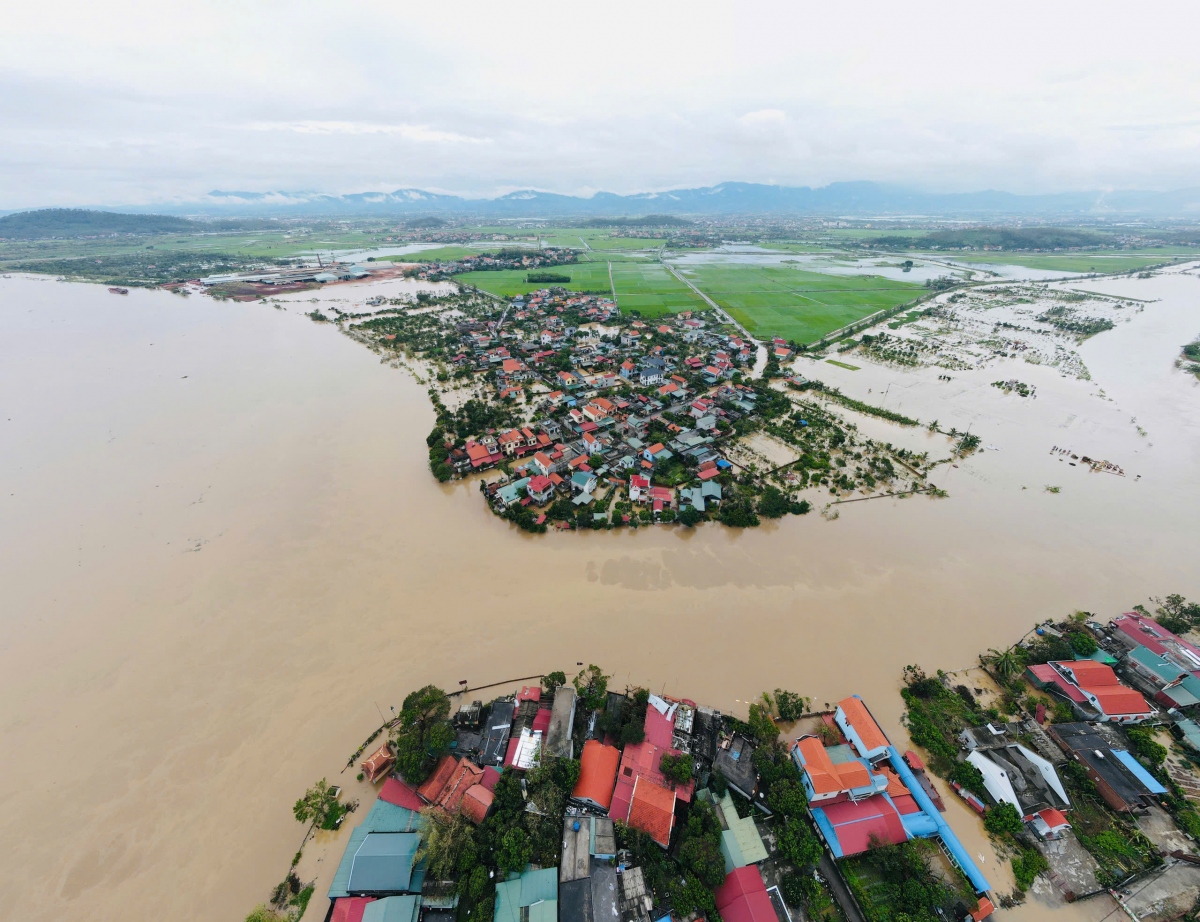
{"x": 224, "y": 560}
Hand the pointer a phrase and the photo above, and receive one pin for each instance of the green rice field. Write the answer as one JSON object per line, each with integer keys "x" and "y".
{"x": 793, "y": 303}
{"x": 1072, "y": 262}
{"x": 645, "y": 287}
{"x": 585, "y": 276}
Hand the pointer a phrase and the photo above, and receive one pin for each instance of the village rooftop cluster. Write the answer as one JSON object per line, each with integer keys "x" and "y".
{"x": 598, "y": 419}
{"x": 660, "y": 787}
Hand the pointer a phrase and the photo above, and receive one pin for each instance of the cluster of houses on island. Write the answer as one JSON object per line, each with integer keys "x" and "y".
{"x": 593, "y": 420}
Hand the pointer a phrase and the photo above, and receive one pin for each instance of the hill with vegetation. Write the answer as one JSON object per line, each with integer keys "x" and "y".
{"x": 78, "y": 222}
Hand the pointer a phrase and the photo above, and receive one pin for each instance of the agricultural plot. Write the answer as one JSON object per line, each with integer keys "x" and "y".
{"x": 793, "y": 303}
{"x": 585, "y": 276}
{"x": 651, "y": 290}
{"x": 1074, "y": 262}
{"x": 440, "y": 254}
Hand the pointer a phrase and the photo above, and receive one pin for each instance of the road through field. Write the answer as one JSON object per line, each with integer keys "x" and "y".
{"x": 760, "y": 355}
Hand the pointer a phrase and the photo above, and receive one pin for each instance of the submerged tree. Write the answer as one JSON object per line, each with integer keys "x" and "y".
{"x": 319, "y": 805}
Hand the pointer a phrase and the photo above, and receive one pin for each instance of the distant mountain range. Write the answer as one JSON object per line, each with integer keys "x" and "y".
{"x": 732, "y": 198}
{"x": 851, "y": 199}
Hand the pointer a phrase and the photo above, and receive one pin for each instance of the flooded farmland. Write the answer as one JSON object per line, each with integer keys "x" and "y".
{"x": 224, "y": 559}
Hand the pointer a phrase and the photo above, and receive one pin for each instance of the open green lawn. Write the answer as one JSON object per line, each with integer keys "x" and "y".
{"x": 1068, "y": 262}
{"x": 793, "y": 303}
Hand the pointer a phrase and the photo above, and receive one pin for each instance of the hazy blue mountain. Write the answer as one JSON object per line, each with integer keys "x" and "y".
{"x": 857, "y": 199}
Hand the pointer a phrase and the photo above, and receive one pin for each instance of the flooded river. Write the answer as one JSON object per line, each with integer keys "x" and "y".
{"x": 223, "y": 559}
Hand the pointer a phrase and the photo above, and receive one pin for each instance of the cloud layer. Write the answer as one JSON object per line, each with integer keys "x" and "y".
{"x": 137, "y": 102}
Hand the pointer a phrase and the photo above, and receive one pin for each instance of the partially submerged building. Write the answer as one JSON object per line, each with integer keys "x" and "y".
{"x": 1120, "y": 778}
{"x": 1013, "y": 773}
{"x": 380, "y": 856}
{"x": 1092, "y": 689}
{"x": 862, "y": 793}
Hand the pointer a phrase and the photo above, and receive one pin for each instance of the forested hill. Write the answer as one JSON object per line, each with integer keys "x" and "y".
{"x": 78, "y": 222}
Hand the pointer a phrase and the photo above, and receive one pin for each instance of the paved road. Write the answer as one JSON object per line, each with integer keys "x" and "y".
{"x": 838, "y": 887}
{"x": 760, "y": 358}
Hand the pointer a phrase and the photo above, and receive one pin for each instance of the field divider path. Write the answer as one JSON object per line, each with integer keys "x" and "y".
{"x": 761, "y": 357}
{"x": 612, "y": 284}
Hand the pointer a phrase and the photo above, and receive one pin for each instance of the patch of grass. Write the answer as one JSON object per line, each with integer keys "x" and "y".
{"x": 843, "y": 365}
{"x": 793, "y": 303}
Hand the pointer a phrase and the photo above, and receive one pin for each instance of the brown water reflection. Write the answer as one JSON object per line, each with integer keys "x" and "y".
{"x": 212, "y": 582}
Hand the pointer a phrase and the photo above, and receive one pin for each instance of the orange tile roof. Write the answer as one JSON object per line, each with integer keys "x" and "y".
{"x": 858, "y": 717}
{"x": 597, "y": 773}
{"x": 826, "y": 777}
{"x": 434, "y": 784}
{"x": 652, "y": 810}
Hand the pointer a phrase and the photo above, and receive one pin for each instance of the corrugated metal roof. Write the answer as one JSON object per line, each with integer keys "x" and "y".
{"x": 382, "y": 817}
{"x": 393, "y": 909}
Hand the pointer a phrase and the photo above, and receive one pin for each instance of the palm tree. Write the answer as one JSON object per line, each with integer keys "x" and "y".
{"x": 1006, "y": 664}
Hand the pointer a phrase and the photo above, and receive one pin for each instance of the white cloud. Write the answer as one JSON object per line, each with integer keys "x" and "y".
{"x": 772, "y": 118}
{"x": 131, "y": 102}
{"x": 421, "y": 134}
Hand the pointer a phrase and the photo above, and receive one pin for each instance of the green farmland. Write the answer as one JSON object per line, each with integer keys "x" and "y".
{"x": 585, "y": 276}
{"x": 795, "y": 304}
{"x": 1071, "y": 262}
{"x": 645, "y": 287}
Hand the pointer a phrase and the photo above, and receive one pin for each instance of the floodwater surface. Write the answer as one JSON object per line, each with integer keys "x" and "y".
{"x": 224, "y": 559}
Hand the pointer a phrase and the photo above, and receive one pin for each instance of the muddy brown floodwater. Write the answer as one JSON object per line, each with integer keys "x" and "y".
{"x": 222, "y": 557}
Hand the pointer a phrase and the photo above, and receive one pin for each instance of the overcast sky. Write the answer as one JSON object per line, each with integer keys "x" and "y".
{"x": 124, "y": 102}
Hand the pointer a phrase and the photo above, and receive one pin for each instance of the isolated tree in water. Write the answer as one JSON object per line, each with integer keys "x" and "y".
{"x": 318, "y": 805}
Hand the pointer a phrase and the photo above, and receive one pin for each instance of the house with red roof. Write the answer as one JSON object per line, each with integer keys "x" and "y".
{"x": 540, "y": 489}
{"x": 458, "y": 786}
{"x": 743, "y": 897}
{"x": 1093, "y": 690}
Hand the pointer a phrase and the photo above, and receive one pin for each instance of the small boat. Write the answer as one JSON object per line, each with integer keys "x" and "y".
{"x": 118, "y": 291}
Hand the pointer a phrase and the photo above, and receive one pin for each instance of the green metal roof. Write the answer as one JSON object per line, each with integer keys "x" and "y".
{"x": 393, "y": 909}
{"x": 382, "y": 817}
{"x": 533, "y": 889}
{"x": 740, "y": 843}
{"x": 545, "y": 911}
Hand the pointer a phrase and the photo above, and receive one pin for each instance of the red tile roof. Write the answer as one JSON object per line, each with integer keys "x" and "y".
{"x": 377, "y": 763}
{"x": 652, "y": 810}
{"x": 476, "y": 802}
{"x": 436, "y": 783}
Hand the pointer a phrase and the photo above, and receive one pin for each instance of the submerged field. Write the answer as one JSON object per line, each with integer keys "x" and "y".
{"x": 793, "y": 303}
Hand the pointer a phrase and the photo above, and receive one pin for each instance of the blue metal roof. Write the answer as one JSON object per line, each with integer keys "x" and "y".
{"x": 1139, "y": 771}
